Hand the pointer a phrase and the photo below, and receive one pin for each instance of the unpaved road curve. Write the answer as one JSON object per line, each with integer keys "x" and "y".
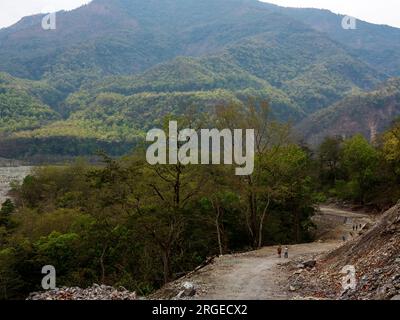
{"x": 257, "y": 275}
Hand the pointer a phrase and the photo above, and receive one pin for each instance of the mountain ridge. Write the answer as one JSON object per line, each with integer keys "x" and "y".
{"x": 155, "y": 48}
{"x": 368, "y": 113}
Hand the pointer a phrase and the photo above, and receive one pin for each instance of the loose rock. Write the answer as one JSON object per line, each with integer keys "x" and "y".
{"x": 310, "y": 264}
{"x": 96, "y": 292}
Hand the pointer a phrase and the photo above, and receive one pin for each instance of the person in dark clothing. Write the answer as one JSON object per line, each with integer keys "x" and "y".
{"x": 279, "y": 252}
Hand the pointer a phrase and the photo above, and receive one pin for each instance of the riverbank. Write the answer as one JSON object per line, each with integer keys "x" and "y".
{"x": 9, "y": 174}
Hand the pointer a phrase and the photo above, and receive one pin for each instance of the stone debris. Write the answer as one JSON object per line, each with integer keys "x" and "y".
{"x": 310, "y": 264}
{"x": 188, "y": 290}
{"x": 96, "y": 292}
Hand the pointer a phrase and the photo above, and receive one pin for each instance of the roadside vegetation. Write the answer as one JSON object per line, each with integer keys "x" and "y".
{"x": 126, "y": 223}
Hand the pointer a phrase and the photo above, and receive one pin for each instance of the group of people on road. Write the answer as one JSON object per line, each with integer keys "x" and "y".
{"x": 356, "y": 227}
{"x": 285, "y": 252}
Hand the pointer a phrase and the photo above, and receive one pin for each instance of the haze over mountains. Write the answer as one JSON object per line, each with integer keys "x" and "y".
{"x": 112, "y": 69}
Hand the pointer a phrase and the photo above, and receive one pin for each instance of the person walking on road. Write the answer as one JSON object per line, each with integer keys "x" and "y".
{"x": 279, "y": 251}
{"x": 286, "y": 252}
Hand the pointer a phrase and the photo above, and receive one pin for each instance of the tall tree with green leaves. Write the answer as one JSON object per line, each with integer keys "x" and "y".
{"x": 360, "y": 160}
{"x": 329, "y": 159}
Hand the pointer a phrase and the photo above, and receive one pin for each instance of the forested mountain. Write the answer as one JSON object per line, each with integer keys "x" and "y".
{"x": 367, "y": 113}
{"x": 378, "y": 45}
{"x": 114, "y": 68}
{"x": 25, "y": 104}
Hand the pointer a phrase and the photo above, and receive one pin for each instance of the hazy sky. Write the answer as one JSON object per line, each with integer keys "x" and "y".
{"x": 13, "y": 10}
{"x": 376, "y": 11}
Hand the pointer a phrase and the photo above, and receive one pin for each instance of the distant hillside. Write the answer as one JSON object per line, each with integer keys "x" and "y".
{"x": 367, "y": 113}
{"x": 378, "y": 45}
{"x": 151, "y": 58}
{"x": 23, "y": 104}
{"x": 127, "y": 36}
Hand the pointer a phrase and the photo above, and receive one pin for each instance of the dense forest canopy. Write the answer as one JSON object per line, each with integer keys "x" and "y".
{"x": 148, "y": 59}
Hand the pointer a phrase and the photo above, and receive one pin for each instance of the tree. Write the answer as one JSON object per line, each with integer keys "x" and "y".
{"x": 6, "y": 210}
{"x": 172, "y": 189}
{"x": 360, "y": 159}
{"x": 10, "y": 280}
{"x": 329, "y": 157}
{"x": 391, "y": 147}
{"x": 286, "y": 170}
{"x": 256, "y": 190}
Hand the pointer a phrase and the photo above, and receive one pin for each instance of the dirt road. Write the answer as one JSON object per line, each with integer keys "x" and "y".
{"x": 258, "y": 275}
{"x": 334, "y": 223}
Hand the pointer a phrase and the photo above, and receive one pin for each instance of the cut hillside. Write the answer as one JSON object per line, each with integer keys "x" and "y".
{"x": 375, "y": 256}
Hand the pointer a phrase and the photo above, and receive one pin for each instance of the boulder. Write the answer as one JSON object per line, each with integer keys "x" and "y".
{"x": 310, "y": 264}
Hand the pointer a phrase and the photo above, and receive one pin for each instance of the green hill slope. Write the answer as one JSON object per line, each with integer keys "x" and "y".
{"x": 367, "y": 113}
{"x": 112, "y": 69}
{"x": 23, "y": 104}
